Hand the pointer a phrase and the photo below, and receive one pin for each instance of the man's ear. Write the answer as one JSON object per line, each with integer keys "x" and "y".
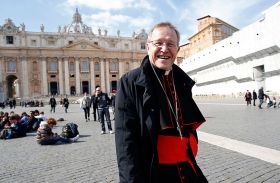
{"x": 147, "y": 47}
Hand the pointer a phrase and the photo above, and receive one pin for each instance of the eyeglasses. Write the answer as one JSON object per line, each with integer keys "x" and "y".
{"x": 159, "y": 44}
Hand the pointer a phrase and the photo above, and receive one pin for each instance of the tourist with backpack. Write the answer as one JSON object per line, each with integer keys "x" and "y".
{"x": 45, "y": 136}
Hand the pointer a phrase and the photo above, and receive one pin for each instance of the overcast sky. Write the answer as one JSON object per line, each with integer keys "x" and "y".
{"x": 130, "y": 15}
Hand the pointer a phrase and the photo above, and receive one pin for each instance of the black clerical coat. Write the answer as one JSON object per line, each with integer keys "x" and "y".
{"x": 137, "y": 124}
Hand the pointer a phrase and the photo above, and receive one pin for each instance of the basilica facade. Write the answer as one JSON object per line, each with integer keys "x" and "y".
{"x": 71, "y": 61}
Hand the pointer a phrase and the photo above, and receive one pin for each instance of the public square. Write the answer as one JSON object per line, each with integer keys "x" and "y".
{"x": 93, "y": 159}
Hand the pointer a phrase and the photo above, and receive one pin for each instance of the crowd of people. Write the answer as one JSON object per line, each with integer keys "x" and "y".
{"x": 12, "y": 103}
{"x": 13, "y": 125}
{"x": 263, "y": 98}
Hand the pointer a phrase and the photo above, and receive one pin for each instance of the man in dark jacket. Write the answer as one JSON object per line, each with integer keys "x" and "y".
{"x": 52, "y": 102}
{"x": 66, "y": 103}
{"x": 261, "y": 97}
{"x": 156, "y": 117}
{"x": 103, "y": 101}
{"x": 94, "y": 105}
{"x": 254, "y": 97}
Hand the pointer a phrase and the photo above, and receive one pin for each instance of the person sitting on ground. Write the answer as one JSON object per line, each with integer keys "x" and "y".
{"x": 24, "y": 118}
{"x": 17, "y": 127}
{"x": 45, "y": 136}
{"x": 5, "y": 121}
{"x": 31, "y": 121}
{"x": 14, "y": 128}
{"x": 268, "y": 101}
{"x": 42, "y": 116}
{"x": 274, "y": 102}
{"x": 1, "y": 115}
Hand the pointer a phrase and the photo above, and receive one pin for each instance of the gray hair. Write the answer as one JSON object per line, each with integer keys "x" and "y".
{"x": 164, "y": 24}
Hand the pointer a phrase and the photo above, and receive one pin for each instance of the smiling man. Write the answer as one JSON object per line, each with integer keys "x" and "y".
{"x": 156, "y": 117}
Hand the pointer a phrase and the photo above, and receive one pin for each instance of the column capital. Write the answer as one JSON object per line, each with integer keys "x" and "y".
{"x": 65, "y": 58}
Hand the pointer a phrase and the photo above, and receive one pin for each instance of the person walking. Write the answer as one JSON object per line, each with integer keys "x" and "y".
{"x": 85, "y": 105}
{"x": 156, "y": 117}
{"x": 248, "y": 97}
{"x": 254, "y": 97}
{"x": 261, "y": 97}
{"x": 94, "y": 106}
{"x": 102, "y": 100}
{"x": 113, "y": 99}
{"x": 52, "y": 102}
{"x": 66, "y": 103}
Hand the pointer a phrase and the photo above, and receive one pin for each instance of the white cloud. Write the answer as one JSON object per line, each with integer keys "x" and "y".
{"x": 144, "y": 4}
{"x": 172, "y": 5}
{"x": 111, "y": 4}
{"x": 124, "y": 23}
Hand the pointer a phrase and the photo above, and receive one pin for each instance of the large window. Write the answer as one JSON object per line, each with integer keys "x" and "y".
{"x": 9, "y": 39}
{"x": 96, "y": 66}
{"x": 84, "y": 66}
{"x": 52, "y": 66}
{"x": 114, "y": 67}
{"x": 11, "y": 66}
{"x": 51, "y": 42}
{"x": 33, "y": 42}
{"x": 72, "y": 67}
{"x": 35, "y": 66}
{"x": 143, "y": 46}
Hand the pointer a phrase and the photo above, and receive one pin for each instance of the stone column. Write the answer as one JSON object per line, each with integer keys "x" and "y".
{"x": 92, "y": 78}
{"x": 60, "y": 76}
{"x": 44, "y": 85}
{"x": 134, "y": 63}
{"x": 78, "y": 83}
{"x": 107, "y": 81}
{"x": 24, "y": 78}
{"x": 102, "y": 72}
{"x": 1, "y": 79}
{"x": 66, "y": 76}
{"x": 121, "y": 67}
{"x": 1, "y": 68}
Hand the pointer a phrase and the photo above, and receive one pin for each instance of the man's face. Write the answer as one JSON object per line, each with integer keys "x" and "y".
{"x": 162, "y": 47}
{"x": 98, "y": 90}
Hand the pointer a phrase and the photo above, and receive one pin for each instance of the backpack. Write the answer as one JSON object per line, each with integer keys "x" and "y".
{"x": 6, "y": 134}
{"x": 70, "y": 130}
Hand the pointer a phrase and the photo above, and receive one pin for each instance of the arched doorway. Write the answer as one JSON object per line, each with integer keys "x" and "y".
{"x": 85, "y": 86}
{"x": 113, "y": 85}
{"x": 53, "y": 88}
{"x": 72, "y": 90}
{"x": 12, "y": 86}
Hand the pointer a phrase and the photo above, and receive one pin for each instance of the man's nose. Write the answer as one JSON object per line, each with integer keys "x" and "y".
{"x": 164, "y": 47}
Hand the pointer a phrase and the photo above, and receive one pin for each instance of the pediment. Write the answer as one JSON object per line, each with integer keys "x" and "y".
{"x": 82, "y": 45}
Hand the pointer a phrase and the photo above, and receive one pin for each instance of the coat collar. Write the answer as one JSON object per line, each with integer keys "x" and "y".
{"x": 144, "y": 79}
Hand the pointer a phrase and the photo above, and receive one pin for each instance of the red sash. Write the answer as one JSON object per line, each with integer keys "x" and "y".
{"x": 173, "y": 149}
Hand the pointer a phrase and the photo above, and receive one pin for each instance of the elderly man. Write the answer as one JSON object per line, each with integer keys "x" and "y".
{"x": 156, "y": 117}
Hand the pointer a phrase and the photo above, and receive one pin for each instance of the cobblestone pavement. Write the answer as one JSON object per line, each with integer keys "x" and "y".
{"x": 93, "y": 158}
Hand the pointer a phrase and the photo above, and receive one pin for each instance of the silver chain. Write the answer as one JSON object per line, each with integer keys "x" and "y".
{"x": 170, "y": 105}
